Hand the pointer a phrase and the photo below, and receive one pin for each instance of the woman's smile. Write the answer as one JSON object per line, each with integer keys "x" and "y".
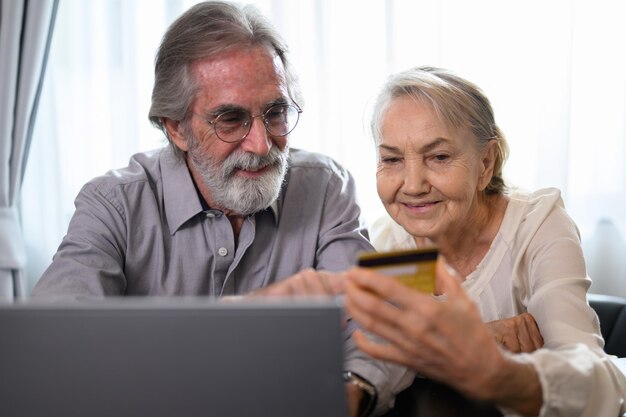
{"x": 421, "y": 208}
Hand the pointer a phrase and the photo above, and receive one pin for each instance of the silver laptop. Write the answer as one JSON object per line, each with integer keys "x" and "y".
{"x": 171, "y": 357}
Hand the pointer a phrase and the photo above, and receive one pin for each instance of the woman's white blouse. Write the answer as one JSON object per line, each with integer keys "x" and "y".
{"x": 535, "y": 264}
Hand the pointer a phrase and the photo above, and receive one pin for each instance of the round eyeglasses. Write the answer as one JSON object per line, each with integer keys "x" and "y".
{"x": 234, "y": 125}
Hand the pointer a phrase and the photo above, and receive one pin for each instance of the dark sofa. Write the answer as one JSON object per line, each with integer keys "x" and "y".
{"x": 611, "y": 311}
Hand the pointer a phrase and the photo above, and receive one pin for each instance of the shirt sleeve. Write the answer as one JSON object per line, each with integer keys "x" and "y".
{"x": 388, "y": 378}
{"x": 341, "y": 238}
{"x": 89, "y": 261}
{"x": 342, "y": 235}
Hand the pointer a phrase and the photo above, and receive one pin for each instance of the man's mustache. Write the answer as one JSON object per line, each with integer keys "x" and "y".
{"x": 251, "y": 162}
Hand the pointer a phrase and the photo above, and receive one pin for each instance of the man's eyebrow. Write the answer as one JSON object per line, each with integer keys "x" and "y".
{"x": 223, "y": 108}
{"x": 235, "y": 107}
{"x": 275, "y": 102}
{"x": 280, "y": 100}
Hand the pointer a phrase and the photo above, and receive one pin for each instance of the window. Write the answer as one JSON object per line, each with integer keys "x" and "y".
{"x": 558, "y": 96}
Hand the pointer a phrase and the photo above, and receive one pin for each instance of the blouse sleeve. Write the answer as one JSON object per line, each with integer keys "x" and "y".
{"x": 578, "y": 378}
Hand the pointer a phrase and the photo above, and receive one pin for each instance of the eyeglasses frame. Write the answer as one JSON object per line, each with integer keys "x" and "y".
{"x": 263, "y": 119}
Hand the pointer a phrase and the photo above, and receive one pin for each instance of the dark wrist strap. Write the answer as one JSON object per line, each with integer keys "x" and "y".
{"x": 369, "y": 396}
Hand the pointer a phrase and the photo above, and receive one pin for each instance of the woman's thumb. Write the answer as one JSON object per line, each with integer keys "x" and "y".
{"x": 448, "y": 280}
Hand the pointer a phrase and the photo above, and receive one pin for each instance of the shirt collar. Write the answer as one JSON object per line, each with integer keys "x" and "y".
{"x": 179, "y": 193}
{"x": 274, "y": 209}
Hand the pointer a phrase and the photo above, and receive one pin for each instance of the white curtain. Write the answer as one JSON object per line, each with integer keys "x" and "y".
{"x": 25, "y": 28}
{"x": 555, "y": 72}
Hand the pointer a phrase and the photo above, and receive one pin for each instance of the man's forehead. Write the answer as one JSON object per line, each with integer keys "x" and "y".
{"x": 247, "y": 77}
{"x": 240, "y": 63}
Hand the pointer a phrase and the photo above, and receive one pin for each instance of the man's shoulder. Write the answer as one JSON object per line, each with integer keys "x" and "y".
{"x": 307, "y": 160}
{"x": 143, "y": 168}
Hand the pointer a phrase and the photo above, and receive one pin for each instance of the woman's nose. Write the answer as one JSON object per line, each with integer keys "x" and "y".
{"x": 415, "y": 179}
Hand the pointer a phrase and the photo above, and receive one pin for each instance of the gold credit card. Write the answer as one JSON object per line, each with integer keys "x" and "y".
{"x": 414, "y": 268}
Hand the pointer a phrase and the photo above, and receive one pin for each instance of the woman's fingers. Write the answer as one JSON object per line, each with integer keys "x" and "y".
{"x": 436, "y": 337}
{"x": 381, "y": 351}
{"x": 385, "y": 287}
{"x": 517, "y": 334}
{"x": 406, "y": 318}
{"x": 381, "y": 318}
{"x": 532, "y": 335}
{"x": 448, "y": 280}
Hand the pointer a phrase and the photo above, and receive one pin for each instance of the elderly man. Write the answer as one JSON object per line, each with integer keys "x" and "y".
{"x": 227, "y": 208}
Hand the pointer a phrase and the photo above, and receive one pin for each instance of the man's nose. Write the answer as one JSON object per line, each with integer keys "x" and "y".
{"x": 258, "y": 140}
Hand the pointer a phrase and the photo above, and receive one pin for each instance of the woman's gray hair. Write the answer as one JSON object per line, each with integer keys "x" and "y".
{"x": 207, "y": 29}
{"x": 458, "y": 103}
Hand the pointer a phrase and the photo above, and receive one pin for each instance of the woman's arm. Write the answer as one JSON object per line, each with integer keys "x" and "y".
{"x": 444, "y": 340}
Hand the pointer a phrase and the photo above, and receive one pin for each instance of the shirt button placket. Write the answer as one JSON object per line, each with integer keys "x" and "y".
{"x": 221, "y": 230}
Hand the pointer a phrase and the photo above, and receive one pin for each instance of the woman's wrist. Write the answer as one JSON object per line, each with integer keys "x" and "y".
{"x": 515, "y": 385}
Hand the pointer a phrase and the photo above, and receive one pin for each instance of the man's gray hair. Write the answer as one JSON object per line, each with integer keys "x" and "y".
{"x": 207, "y": 29}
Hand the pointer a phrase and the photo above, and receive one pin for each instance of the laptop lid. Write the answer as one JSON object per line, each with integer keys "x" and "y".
{"x": 171, "y": 357}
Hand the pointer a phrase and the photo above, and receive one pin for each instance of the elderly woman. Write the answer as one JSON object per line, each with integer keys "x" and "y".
{"x": 440, "y": 158}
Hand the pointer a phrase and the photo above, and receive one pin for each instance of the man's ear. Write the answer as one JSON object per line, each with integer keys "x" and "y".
{"x": 487, "y": 164}
{"x": 174, "y": 132}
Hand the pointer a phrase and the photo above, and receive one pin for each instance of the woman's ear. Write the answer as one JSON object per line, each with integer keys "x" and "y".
{"x": 173, "y": 129}
{"x": 487, "y": 164}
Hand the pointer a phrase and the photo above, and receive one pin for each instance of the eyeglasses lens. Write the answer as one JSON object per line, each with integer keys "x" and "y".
{"x": 234, "y": 125}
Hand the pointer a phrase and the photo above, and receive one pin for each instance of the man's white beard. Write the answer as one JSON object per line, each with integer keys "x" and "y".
{"x": 238, "y": 194}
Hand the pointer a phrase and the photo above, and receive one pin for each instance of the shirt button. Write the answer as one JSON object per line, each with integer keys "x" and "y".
{"x": 222, "y": 251}
{"x": 212, "y": 213}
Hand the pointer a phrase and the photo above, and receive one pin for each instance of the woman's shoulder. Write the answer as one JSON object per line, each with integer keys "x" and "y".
{"x": 528, "y": 212}
{"x": 386, "y": 235}
{"x": 537, "y": 205}
{"x": 544, "y": 197}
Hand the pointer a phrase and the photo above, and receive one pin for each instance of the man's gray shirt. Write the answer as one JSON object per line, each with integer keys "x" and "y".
{"x": 142, "y": 230}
